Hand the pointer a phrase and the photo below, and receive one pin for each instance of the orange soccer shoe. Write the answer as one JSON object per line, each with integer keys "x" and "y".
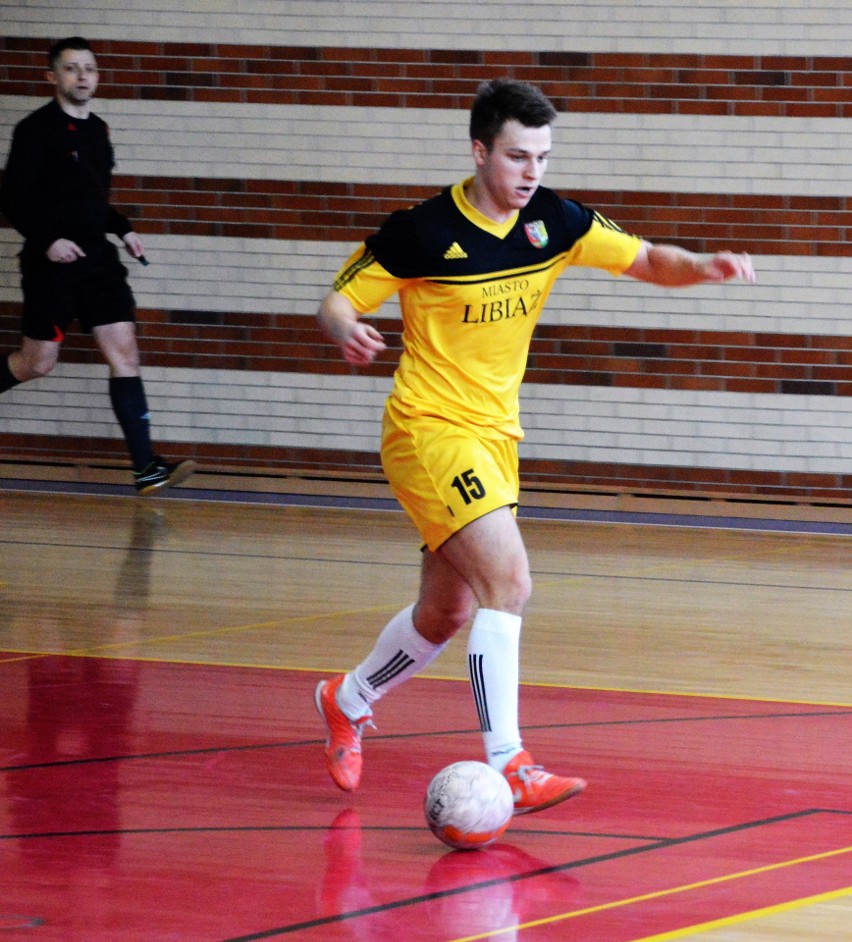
{"x": 534, "y": 789}
{"x": 343, "y": 746}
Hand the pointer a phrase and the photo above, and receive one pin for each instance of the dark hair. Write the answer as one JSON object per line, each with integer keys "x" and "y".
{"x": 70, "y": 42}
{"x": 502, "y": 100}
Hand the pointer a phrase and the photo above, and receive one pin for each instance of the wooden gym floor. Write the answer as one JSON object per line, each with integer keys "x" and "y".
{"x": 162, "y": 776}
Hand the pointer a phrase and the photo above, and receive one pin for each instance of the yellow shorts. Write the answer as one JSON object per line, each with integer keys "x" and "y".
{"x": 444, "y": 475}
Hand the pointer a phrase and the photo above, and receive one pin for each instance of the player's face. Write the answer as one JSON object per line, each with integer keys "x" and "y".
{"x": 509, "y": 173}
{"x": 75, "y": 75}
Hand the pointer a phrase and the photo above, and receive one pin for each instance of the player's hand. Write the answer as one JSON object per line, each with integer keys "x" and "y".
{"x": 133, "y": 244}
{"x": 64, "y": 251}
{"x": 362, "y": 344}
{"x": 726, "y": 265}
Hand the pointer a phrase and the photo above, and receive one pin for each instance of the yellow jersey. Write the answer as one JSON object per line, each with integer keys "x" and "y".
{"x": 471, "y": 291}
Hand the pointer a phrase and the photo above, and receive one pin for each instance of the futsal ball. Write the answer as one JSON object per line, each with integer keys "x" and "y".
{"x": 468, "y": 805}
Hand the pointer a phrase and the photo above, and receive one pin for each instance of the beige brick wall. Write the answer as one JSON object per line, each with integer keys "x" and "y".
{"x": 255, "y": 156}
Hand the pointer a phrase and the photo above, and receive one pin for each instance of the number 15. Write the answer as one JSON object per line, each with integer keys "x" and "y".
{"x": 468, "y": 485}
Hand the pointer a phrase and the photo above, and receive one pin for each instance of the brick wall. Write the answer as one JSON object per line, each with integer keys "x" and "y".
{"x": 635, "y": 83}
{"x": 251, "y": 168}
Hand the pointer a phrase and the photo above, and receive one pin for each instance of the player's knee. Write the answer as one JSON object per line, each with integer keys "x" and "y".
{"x": 34, "y": 367}
{"x": 124, "y": 363}
{"x": 457, "y": 618}
{"x": 119, "y": 348}
{"x": 520, "y": 587}
{"x": 508, "y": 591}
{"x": 438, "y": 622}
{"x": 524, "y": 587}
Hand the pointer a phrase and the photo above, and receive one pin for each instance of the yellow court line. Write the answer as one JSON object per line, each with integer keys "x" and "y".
{"x": 102, "y": 650}
{"x": 658, "y": 894}
{"x": 745, "y": 917}
{"x": 98, "y": 649}
{"x": 687, "y": 693}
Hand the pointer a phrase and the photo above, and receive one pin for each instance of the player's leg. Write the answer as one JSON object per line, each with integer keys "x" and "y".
{"x": 34, "y": 358}
{"x": 459, "y": 492}
{"x": 413, "y": 638}
{"x": 490, "y": 556}
{"x": 118, "y": 344}
{"x": 107, "y": 309}
{"x": 402, "y": 649}
{"x": 470, "y": 491}
{"x": 444, "y": 604}
{"x": 50, "y": 295}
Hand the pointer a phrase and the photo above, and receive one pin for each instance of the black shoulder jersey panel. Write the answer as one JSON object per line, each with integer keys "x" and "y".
{"x": 435, "y": 239}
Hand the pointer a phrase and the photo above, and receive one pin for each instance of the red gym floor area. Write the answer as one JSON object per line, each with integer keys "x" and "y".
{"x": 165, "y": 802}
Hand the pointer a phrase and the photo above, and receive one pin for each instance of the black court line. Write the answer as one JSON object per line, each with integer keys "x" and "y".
{"x": 434, "y": 734}
{"x": 823, "y": 528}
{"x": 663, "y": 844}
{"x": 414, "y": 563}
{"x": 304, "y": 828}
{"x": 650, "y": 844}
{"x": 9, "y": 922}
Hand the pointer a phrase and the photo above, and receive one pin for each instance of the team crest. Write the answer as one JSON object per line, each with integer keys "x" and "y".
{"x": 536, "y": 233}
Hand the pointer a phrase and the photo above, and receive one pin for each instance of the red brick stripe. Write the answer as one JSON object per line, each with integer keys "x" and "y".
{"x": 692, "y": 359}
{"x": 346, "y": 212}
{"x": 648, "y": 83}
{"x": 282, "y": 209}
{"x": 621, "y": 357}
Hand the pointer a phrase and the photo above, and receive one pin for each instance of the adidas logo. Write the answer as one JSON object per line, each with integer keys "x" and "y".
{"x": 455, "y": 251}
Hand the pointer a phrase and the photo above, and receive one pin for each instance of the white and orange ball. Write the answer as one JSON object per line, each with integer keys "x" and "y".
{"x": 468, "y": 805}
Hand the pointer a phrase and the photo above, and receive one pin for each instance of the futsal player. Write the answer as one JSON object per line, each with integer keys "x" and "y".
{"x": 472, "y": 267}
{"x": 55, "y": 192}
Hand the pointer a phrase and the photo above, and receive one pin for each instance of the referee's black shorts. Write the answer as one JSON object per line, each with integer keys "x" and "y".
{"x": 93, "y": 290}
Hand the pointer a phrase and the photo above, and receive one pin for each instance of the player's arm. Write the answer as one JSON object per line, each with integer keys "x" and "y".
{"x": 19, "y": 195}
{"x": 673, "y": 267}
{"x": 359, "y": 342}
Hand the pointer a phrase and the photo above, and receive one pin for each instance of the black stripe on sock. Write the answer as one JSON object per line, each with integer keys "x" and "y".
{"x": 395, "y": 666}
{"x": 477, "y": 682}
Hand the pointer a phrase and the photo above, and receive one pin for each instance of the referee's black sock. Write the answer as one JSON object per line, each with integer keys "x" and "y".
{"x": 127, "y": 395}
{"x": 7, "y": 378}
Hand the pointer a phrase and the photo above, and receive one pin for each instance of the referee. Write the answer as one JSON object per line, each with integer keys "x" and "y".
{"x": 55, "y": 192}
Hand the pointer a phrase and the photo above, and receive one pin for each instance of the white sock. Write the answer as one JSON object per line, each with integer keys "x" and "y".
{"x": 493, "y": 664}
{"x": 399, "y": 653}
